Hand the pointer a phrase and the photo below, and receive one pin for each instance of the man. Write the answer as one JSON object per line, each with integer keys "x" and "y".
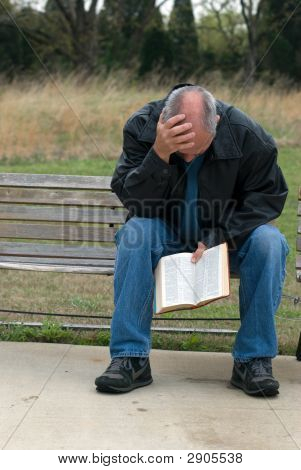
{"x": 195, "y": 172}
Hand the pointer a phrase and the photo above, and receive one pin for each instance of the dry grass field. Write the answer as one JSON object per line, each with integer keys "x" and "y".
{"x": 66, "y": 119}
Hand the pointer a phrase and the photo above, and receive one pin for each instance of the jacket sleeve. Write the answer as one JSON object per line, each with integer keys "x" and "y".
{"x": 141, "y": 177}
{"x": 261, "y": 190}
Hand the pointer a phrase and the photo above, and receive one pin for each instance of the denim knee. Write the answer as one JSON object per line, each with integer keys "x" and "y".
{"x": 266, "y": 241}
{"x": 140, "y": 232}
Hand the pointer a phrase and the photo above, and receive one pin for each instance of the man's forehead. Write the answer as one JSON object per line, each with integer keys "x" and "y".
{"x": 194, "y": 118}
{"x": 193, "y": 113}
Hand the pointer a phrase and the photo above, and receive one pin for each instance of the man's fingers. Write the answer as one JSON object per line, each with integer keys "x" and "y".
{"x": 171, "y": 137}
{"x": 184, "y": 138}
{"x": 198, "y": 253}
{"x": 176, "y": 130}
{"x": 174, "y": 120}
{"x": 185, "y": 146}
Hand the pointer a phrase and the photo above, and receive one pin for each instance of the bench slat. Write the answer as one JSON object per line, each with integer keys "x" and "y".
{"x": 55, "y": 181}
{"x": 56, "y": 196}
{"x": 58, "y": 268}
{"x": 58, "y": 261}
{"x": 57, "y": 232}
{"x": 62, "y": 213}
{"x": 298, "y": 243}
{"x": 298, "y": 258}
{"x": 56, "y": 250}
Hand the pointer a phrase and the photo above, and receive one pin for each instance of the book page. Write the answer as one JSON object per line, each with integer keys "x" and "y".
{"x": 208, "y": 279}
{"x": 178, "y": 273}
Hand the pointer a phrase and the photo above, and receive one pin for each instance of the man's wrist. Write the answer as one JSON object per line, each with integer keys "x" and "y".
{"x": 152, "y": 162}
{"x": 161, "y": 154}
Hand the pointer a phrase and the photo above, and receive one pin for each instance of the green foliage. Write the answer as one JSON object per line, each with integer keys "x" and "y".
{"x": 167, "y": 341}
{"x": 281, "y": 26}
{"x": 222, "y": 41}
{"x": 122, "y": 27}
{"x": 156, "y": 52}
{"x": 50, "y": 332}
{"x": 15, "y": 52}
{"x": 72, "y": 36}
{"x": 184, "y": 40}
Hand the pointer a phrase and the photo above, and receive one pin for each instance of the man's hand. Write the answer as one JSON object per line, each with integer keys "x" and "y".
{"x": 172, "y": 136}
{"x": 198, "y": 252}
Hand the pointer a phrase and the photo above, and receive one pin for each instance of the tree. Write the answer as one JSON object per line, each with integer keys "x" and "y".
{"x": 250, "y": 12}
{"x": 15, "y": 52}
{"x": 184, "y": 40}
{"x": 122, "y": 27}
{"x": 222, "y": 40}
{"x": 155, "y": 53}
{"x": 80, "y": 27}
{"x": 281, "y": 21}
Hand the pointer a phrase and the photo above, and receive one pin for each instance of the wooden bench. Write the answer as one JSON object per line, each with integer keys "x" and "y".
{"x": 298, "y": 263}
{"x": 65, "y": 223}
{"x": 58, "y": 223}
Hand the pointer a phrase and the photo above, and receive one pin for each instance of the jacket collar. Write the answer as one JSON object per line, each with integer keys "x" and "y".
{"x": 223, "y": 146}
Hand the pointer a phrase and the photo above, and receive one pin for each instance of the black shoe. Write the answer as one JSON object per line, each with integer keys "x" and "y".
{"x": 124, "y": 374}
{"x": 255, "y": 377}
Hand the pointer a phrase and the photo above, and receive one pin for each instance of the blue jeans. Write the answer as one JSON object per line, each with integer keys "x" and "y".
{"x": 260, "y": 263}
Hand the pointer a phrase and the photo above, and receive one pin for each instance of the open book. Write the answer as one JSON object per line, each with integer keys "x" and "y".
{"x": 181, "y": 284}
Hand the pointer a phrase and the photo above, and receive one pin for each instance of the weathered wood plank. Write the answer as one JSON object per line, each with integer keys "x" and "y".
{"x": 57, "y": 232}
{"x": 298, "y": 275}
{"x": 298, "y": 244}
{"x": 58, "y": 261}
{"x": 299, "y": 208}
{"x": 56, "y": 196}
{"x": 62, "y": 213}
{"x": 298, "y": 262}
{"x": 56, "y": 250}
{"x": 57, "y": 268}
{"x": 55, "y": 181}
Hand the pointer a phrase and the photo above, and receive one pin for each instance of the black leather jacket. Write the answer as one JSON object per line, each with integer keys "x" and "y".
{"x": 240, "y": 184}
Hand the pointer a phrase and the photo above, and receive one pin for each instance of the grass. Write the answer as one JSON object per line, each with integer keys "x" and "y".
{"x": 72, "y": 166}
{"x": 53, "y": 332}
{"x": 54, "y": 141}
{"x": 70, "y": 119}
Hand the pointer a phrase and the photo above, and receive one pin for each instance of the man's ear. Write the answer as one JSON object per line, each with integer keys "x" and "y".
{"x": 217, "y": 117}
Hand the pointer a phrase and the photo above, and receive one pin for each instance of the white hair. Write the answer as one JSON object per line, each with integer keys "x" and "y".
{"x": 173, "y": 105}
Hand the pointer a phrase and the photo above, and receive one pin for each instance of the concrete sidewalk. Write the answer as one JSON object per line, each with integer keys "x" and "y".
{"x": 48, "y": 401}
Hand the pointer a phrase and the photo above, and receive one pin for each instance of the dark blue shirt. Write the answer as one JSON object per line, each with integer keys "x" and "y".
{"x": 190, "y": 225}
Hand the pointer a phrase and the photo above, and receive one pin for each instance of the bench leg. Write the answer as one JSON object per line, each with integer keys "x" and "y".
{"x": 298, "y": 352}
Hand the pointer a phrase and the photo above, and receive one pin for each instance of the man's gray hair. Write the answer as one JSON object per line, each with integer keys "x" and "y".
{"x": 173, "y": 105}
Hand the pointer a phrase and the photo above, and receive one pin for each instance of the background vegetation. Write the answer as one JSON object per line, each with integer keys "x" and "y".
{"x": 230, "y": 37}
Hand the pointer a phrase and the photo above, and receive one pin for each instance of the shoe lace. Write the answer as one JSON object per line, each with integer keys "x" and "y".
{"x": 260, "y": 367}
{"x": 117, "y": 362}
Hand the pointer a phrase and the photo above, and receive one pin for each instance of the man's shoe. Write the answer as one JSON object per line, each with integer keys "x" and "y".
{"x": 124, "y": 374}
{"x": 255, "y": 377}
